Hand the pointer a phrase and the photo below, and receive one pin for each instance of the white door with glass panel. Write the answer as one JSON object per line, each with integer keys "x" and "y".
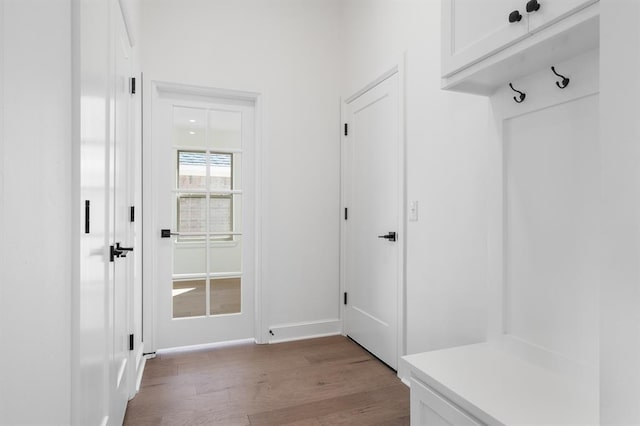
{"x": 204, "y": 216}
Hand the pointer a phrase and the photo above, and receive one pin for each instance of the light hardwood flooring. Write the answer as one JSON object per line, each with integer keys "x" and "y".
{"x": 326, "y": 381}
{"x": 189, "y": 299}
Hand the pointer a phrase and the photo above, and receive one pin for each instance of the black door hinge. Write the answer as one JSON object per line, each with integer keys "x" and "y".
{"x": 132, "y": 87}
{"x": 346, "y": 213}
{"x": 131, "y": 342}
{"x": 132, "y": 214}
{"x": 346, "y": 129}
{"x": 345, "y": 297}
{"x": 87, "y": 216}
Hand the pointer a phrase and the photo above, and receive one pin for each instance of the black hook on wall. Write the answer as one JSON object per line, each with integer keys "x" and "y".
{"x": 565, "y": 80}
{"x": 521, "y": 96}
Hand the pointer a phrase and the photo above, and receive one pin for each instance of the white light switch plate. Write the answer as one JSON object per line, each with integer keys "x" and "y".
{"x": 413, "y": 211}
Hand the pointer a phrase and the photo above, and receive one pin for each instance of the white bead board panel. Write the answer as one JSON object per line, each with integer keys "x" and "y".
{"x": 544, "y": 198}
{"x": 551, "y": 228}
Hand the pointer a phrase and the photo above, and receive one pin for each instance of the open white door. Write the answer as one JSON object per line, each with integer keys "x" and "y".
{"x": 373, "y": 196}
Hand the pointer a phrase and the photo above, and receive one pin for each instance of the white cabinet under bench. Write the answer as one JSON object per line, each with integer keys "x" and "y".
{"x": 486, "y": 384}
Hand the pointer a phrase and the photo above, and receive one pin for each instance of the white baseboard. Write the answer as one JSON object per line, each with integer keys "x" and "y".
{"x": 143, "y": 363}
{"x": 304, "y": 330}
{"x": 204, "y": 346}
{"x": 138, "y": 362}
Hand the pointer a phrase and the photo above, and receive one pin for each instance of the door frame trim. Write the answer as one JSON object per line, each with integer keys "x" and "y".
{"x": 152, "y": 89}
{"x": 398, "y": 68}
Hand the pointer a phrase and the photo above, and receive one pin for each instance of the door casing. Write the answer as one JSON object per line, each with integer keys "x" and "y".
{"x": 151, "y": 228}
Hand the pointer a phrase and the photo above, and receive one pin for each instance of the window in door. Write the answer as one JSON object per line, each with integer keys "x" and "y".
{"x": 194, "y": 170}
{"x": 207, "y": 251}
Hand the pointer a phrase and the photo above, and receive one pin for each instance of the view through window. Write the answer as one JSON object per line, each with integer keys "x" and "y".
{"x": 207, "y": 270}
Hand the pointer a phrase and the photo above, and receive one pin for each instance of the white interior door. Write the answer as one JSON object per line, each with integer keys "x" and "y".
{"x": 374, "y": 202}
{"x": 203, "y": 189}
{"x": 91, "y": 391}
{"x": 121, "y": 185}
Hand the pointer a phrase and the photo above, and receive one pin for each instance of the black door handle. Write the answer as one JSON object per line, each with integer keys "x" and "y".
{"x": 118, "y": 251}
{"x": 391, "y": 236}
{"x": 118, "y": 247}
{"x": 122, "y": 251}
{"x": 166, "y": 233}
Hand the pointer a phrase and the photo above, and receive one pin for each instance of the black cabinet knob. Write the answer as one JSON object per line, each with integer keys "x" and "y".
{"x": 533, "y": 6}
{"x": 515, "y": 16}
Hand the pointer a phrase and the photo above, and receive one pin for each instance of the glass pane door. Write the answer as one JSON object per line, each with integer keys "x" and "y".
{"x": 207, "y": 212}
{"x": 202, "y": 187}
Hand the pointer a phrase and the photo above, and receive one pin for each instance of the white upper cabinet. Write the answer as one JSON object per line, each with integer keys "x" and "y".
{"x": 550, "y": 11}
{"x": 474, "y": 29}
{"x": 486, "y": 43}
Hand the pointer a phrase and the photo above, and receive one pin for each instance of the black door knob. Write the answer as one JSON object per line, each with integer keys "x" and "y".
{"x": 533, "y": 6}
{"x": 515, "y": 16}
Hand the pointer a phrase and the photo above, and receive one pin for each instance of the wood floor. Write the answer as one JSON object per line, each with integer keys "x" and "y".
{"x": 327, "y": 381}
{"x": 189, "y": 297}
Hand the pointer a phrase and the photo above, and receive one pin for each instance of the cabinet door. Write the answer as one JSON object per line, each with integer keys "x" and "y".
{"x": 473, "y": 29}
{"x": 552, "y": 11}
{"x": 430, "y": 409}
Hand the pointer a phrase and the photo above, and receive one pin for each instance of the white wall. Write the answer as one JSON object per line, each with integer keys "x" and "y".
{"x": 303, "y": 56}
{"x": 35, "y": 203}
{"x": 2, "y": 139}
{"x": 446, "y": 142}
{"x": 620, "y": 283}
{"x": 131, "y": 10}
{"x": 286, "y": 50}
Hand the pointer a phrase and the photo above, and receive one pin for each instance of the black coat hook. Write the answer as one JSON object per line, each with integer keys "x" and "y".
{"x": 565, "y": 80}
{"x": 521, "y": 95}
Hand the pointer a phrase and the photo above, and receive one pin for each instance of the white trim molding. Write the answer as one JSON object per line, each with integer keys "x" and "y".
{"x": 152, "y": 89}
{"x": 382, "y": 77}
{"x": 305, "y": 330}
